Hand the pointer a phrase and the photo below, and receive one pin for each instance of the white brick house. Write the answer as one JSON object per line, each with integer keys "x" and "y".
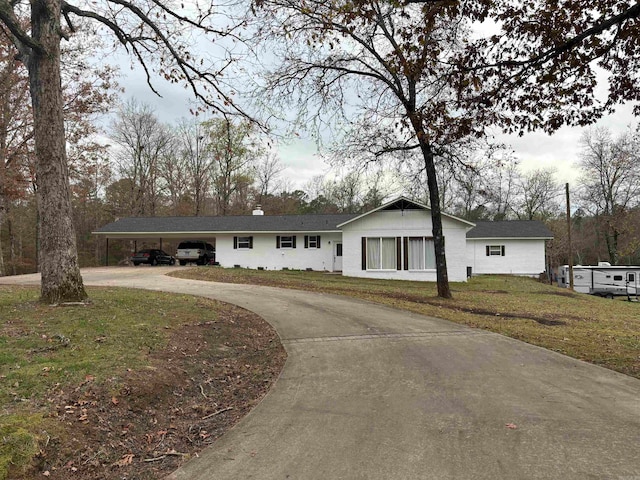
{"x": 393, "y": 241}
{"x": 513, "y": 247}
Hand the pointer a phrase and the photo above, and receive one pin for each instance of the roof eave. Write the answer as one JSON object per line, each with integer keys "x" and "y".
{"x": 212, "y": 232}
{"x": 471, "y": 224}
{"x": 510, "y": 238}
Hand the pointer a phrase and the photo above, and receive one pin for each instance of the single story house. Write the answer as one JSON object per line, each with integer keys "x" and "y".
{"x": 393, "y": 241}
{"x": 512, "y": 247}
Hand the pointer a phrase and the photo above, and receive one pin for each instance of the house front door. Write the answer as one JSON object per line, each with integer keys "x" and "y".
{"x": 337, "y": 257}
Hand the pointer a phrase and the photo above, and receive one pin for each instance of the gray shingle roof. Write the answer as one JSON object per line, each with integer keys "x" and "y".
{"x": 240, "y": 223}
{"x": 510, "y": 229}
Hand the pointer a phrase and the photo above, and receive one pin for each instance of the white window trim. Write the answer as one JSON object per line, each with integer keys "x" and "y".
{"x": 248, "y": 243}
{"x": 314, "y": 239}
{"x": 395, "y": 269}
{"x": 290, "y": 241}
{"x": 492, "y": 252}
{"x": 420, "y": 270}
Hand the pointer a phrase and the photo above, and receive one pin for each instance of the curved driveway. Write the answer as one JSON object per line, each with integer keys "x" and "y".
{"x": 370, "y": 392}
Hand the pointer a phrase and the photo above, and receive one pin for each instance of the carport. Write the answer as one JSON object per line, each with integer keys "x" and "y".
{"x": 251, "y": 241}
{"x": 156, "y": 229}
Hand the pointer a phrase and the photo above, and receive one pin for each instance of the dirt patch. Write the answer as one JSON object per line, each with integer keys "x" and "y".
{"x": 541, "y": 320}
{"x": 477, "y": 311}
{"x": 145, "y": 423}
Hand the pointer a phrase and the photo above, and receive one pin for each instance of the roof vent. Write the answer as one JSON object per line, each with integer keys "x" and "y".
{"x": 258, "y": 210}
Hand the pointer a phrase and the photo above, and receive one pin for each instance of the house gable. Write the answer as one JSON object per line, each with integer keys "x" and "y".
{"x": 403, "y": 204}
{"x": 394, "y": 229}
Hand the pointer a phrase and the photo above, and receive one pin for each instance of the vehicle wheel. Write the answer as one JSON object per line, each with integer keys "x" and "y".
{"x": 135, "y": 264}
{"x": 154, "y": 262}
{"x": 183, "y": 262}
{"x": 172, "y": 261}
{"x": 609, "y": 296}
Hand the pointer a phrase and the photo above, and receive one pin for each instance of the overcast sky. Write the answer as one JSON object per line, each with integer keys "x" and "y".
{"x": 302, "y": 161}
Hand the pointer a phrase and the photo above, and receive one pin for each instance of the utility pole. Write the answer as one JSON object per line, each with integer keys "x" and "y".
{"x": 569, "y": 248}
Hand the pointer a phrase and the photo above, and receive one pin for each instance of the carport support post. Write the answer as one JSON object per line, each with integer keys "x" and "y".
{"x": 160, "y": 244}
{"x": 106, "y": 258}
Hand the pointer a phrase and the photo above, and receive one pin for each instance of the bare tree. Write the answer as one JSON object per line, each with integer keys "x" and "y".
{"x": 15, "y": 132}
{"x": 176, "y": 179}
{"x": 143, "y": 141}
{"x": 389, "y": 61}
{"x": 150, "y": 30}
{"x": 87, "y": 91}
{"x": 538, "y": 194}
{"x": 234, "y": 152}
{"x": 499, "y": 185}
{"x": 611, "y": 181}
{"x": 469, "y": 202}
{"x": 197, "y": 158}
{"x": 267, "y": 172}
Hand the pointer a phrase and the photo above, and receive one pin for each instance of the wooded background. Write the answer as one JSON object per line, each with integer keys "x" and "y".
{"x": 194, "y": 168}
{"x": 134, "y": 164}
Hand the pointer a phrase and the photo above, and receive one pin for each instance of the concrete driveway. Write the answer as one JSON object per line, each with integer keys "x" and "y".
{"x": 369, "y": 392}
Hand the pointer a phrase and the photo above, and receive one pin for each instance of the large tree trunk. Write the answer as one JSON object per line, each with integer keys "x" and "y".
{"x": 3, "y": 173}
{"x": 13, "y": 260}
{"x": 2, "y": 270}
{"x": 58, "y": 258}
{"x": 434, "y": 200}
{"x": 611, "y": 237}
{"x": 436, "y": 220}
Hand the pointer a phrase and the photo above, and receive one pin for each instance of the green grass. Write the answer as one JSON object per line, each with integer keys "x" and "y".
{"x": 593, "y": 329}
{"x": 18, "y": 442}
{"x": 45, "y": 349}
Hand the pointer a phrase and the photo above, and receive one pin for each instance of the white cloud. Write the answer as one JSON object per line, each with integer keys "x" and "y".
{"x": 562, "y": 149}
{"x": 302, "y": 161}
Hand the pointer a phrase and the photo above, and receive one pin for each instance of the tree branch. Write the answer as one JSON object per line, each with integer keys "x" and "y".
{"x": 404, "y": 148}
{"x": 566, "y": 46}
{"x": 23, "y": 41}
{"x": 139, "y": 46}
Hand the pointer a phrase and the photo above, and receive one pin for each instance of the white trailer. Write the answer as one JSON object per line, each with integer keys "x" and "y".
{"x": 604, "y": 279}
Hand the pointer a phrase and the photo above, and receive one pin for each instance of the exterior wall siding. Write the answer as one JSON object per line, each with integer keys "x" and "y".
{"x": 410, "y": 223}
{"x": 265, "y": 254}
{"x": 522, "y": 257}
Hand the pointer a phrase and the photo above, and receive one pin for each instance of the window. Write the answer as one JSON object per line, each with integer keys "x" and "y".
{"x": 312, "y": 241}
{"x": 242, "y": 243}
{"x": 381, "y": 253}
{"x": 631, "y": 277}
{"x": 421, "y": 253}
{"x": 617, "y": 278}
{"x": 286, "y": 241}
{"x": 338, "y": 249}
{"x": 495, "y": 250}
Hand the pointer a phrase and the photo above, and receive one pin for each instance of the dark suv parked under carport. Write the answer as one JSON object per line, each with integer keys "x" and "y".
{"x": 152, "y": 256}
{"x": 197, "y": 251}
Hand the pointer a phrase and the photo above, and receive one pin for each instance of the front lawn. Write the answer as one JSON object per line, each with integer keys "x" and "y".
{"x": 128, "y": 386}
{"x": 600, "y": 331}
